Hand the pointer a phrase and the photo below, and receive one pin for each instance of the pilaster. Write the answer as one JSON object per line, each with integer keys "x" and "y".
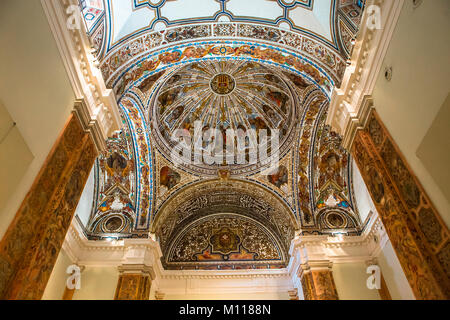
{"x": 418, "y": 234}
{"x": 317, "y": 280}
{"x": 137, "y": 271}
{"x": 30, "y": 247}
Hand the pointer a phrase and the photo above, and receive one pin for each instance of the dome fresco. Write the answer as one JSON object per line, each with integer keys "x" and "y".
{"x": 246, "y": 97}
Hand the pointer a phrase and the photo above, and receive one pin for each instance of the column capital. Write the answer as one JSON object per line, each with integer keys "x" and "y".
{"x": 141, "y": 252}
{"x": 159, "y": 295}
{"x": 140, "y": 269}
{"x": 372, "y": 262}
{"x": 317, "y": 280}
{"x": 317, "y": 265}
{"x": 314, "y": 265}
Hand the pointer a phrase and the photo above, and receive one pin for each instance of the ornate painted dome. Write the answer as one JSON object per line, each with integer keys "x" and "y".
{"x": 240, "y": 95}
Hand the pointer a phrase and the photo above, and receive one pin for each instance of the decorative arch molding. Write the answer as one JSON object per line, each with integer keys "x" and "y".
{"x": 111, "y": 224}
{"x": 328, "y": 62}
{"x": 278, "y": 14}
{"x": 132, "y": 111}
{"x": 98, "y": 40}
{"x": 333, "y": 220}
{"x": 316, "y": 103}
{"x": 322, "y": 174}
{"x": 237, "y": 51}
{"x": 217, "y": 196}
{"x": 225, "y": 241}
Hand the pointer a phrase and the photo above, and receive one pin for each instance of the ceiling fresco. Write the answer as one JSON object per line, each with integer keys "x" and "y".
{"x": 144, "y": 190}
{"x": 240, "y": 206}
{"x": 223, "y": 95}
{"x": 134, "y": 16}
{"x": 223, "y": 67}
{"x": 226, "y": 242}
{"x": 321, "y": 31}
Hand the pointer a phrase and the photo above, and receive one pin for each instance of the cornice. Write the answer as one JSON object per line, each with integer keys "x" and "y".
{"x": 95, "y": 105}
{"x": 357, "y": 122}
{"x": 90, "y": 253}
{"x": 305, "y": 250}
{"x": 350, "y": 103}
{"x": 225, "y": 274}
{"x": 340, "y": 248}
{"x": 140, "y": 269}
{"x": 79, "y": 247}
{"x": 89, "y": 125}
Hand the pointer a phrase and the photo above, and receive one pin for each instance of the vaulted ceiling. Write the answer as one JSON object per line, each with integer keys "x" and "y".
{"x": 225, "y": 64}
{"x": 128, "y": 18}
{"x": 124, "y": 32}
{"x": 134, "y": 16}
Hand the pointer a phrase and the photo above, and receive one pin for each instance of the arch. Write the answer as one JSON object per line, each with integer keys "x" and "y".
{"x": 130, "y": 56}
{"x": 240, "y": 197}
{"x": 225, "y": 241}
{"x": 133, "y": 74}
{"x": 133, "y": 115}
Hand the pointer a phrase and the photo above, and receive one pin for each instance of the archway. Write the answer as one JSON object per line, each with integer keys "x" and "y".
{"x": 244, "y": 213}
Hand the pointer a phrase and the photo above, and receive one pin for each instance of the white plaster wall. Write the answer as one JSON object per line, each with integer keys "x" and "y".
{"x": 241, "y": 288}
{"x": 351, "y": 282}
{"x": 35, "y": 90}
{"x": 84, "y": 206}
{"x": 363, "y": 200}
{"x": 97, "y": 283}
{"x": 393, "y": 274}
{"x": 57, "y": 282}
{"x": 419, "y": 54}
{"x": 15, "y": 156}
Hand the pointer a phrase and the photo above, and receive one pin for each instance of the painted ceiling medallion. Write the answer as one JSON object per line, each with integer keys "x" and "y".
{"x": 224, "y": 240}
{"x": 335, "y": 220}
{"x": 113, "y": 224}
{"x": 223, "y": 84}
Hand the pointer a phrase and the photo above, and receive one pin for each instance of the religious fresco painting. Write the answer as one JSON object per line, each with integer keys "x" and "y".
{"x": 222, "y": 160}
{"x": 243, "y": 96}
